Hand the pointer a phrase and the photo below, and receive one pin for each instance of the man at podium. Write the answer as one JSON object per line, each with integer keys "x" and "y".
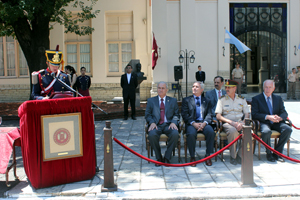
{"x": 44, "y": 81}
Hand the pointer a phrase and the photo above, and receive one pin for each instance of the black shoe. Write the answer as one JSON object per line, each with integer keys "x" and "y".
{"x": 166, "y": 160}
{"x": 233, "y": 161}
{"x": 278, "y": 158}
{"x": 270, "y": 157}
{"x": 125, "y": 118}
{"x": 159, "y": 160}
{"x": 238, "y": 159}
{"x": 133, "y": 117}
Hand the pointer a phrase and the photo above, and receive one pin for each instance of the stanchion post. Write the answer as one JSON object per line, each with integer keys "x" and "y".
{"x": 247, "y": 156}
{"x": 109, "y": 184}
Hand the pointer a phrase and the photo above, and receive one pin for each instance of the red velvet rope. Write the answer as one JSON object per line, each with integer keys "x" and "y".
{"x": 178, "y": 165}
{"x": 294, "y": 125}
{"x": 271, "y": 149}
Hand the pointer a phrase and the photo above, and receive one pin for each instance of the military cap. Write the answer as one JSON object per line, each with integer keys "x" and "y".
{"x": 230, "y": 83}
{"x": 55, "y": 57}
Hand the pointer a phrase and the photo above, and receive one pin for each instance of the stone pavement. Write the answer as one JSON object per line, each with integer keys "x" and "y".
{"x": 136, "y": 179}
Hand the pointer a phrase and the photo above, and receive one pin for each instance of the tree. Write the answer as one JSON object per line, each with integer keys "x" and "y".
{"x": 30, "y": 21}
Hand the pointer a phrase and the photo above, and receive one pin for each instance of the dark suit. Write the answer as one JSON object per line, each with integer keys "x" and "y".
{"x": 152, "y": 115}
{"x": 212, "y": 96}
{"x": 259, "y": 110}
{"x": 188, "y": 113}
{"x": 129, "y": 93}
{"x": 200, "y": 76}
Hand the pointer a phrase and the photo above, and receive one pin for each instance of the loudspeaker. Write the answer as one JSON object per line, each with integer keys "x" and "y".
{"x": 178, "y": 73}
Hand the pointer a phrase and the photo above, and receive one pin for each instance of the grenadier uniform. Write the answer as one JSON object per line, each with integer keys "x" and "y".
{"x": 233, "y": 110}
{"x": 83, "y": 85}
{"x": 43, "y": 82}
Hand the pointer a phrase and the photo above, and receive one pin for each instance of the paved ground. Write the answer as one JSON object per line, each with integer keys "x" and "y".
{"x": 136, "y": 179}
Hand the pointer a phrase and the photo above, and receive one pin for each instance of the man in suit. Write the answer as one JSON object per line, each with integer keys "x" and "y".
{"x": 214, "y": 94}
{"x": 200, "y": 75}
{"x": 196, "y": 113}
{"x": 129, "y": 83}
{"x": 269, "y": 110}
{"x": 162, "y": 115}
{"x": 230, "y": 109}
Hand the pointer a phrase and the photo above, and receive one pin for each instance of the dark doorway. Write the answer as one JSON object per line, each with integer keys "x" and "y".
{"x": 262, "y": 27}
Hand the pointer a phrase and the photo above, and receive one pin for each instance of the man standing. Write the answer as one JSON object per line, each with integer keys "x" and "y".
{"x": 269, "y": 110}
{"x": 162, "y": 115}
{"x": 292, "y": 78}
{"x": 200, "y": 75}
{"x": 230, "y": 110}
{"x": 83, "y": 83}
{"x": 237, "y": 75}
{"x": 196, "y": 113}
{"x": 44, "y": 82}
{"x": 214, "y": 94}
{"x": 129, "y": 83}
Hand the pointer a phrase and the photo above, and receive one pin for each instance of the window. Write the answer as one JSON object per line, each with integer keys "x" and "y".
{"x": 79, "y": 50}
{"x": 119, "y": 40}
{"x": 12, "y": 59}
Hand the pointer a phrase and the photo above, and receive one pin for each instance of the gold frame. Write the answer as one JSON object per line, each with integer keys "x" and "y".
{"x": 69, "y": 146}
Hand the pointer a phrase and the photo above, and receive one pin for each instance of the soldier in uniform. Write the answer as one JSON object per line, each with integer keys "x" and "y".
{"x": 237, "y": 75}
{"x": 43, "y": 81}
{"x": 231, "y": 108}
{"x": 83, "y": 83}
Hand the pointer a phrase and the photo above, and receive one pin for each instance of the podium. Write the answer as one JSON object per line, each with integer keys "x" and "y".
{"x": 43, "y": 172}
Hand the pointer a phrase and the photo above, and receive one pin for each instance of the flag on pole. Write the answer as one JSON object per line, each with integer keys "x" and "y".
{"x": 299, "y": 46}
{"x": 229, "y": 38}
{"x": 154, "y": 53}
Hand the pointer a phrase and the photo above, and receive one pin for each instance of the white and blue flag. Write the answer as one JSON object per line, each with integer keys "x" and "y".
{"x": 229, "y": 38}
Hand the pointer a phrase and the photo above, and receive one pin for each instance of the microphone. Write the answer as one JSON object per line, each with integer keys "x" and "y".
{"x": 53, "y": 74}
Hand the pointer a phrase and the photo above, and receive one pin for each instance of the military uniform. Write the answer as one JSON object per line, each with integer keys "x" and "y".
{"x": 238, "y": 77}
{"x": 233, "y": 110}
{"x": 44, "y": 84}
{"x": 292, "y": 78}
{"x": 83, "y": 85}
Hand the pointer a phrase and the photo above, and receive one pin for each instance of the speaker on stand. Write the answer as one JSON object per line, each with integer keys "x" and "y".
{"x": 177, "y": 76}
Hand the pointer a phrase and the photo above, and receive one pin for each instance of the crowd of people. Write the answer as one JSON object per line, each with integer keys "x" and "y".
{"x": 198, "y": 111}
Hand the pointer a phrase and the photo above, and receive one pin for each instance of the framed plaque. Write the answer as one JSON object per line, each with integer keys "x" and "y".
{"x": 62, "y": 136}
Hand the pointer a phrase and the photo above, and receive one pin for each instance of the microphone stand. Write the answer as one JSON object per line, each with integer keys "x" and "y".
{"x": 70, "y": 88}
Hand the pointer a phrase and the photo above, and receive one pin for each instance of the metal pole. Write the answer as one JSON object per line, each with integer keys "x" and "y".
{"x": 247, "y": 156}
{"x": 186, "y": 72}
{"x": 109, "y": 184}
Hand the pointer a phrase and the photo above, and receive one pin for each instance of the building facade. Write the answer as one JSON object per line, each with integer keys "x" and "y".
{"x": 123, "y": 31}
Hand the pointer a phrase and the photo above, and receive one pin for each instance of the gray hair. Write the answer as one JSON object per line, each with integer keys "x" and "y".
{"x": 269, "y": 80}
{"x": 201, "y": 84}
{"x": 162, "y": 82}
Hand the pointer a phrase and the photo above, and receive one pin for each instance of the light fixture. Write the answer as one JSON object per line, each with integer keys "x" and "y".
{"x": 181, "y": 58}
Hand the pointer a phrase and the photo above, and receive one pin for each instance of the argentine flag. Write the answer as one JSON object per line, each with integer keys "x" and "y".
{"x": 229, "y": 38}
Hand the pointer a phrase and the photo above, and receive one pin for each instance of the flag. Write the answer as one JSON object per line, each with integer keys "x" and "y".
{"x": 229, "y": 38}
{"x": 154, "y": 53}
{"x": 299, "y": 46}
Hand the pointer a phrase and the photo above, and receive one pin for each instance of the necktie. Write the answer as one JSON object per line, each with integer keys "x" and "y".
{"x": 198, "y": 108}
{"x": 270, "y": 107}
{"x": 162, "y": 111}
{"x": 219, "y": 93}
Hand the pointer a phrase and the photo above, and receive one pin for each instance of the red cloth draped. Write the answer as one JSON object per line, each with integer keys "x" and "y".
{"x": 50, "y": 173}
{"x": 7, "y": 137}
{"x": 154, "y": 53}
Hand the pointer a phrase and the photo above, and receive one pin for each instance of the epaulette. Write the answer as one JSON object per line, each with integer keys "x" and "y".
{"x": 222, "y": 96}
{"x": 240, "y": 96}
{"x": 35, "y": 76}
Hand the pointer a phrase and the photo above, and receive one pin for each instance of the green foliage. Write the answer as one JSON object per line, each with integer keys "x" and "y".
{"x": 49, "y": 12}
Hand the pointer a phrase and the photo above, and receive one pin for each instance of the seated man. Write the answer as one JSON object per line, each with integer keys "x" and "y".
{"x": 196, "y": 113}
{"x": 214, "y": 94}
{"x": 162, "y": 115}
{"x": 269, "y": 110}
{"x": 230, "y": 110}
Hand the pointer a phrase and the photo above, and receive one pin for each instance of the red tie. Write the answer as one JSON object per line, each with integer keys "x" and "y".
{"x": 162, "y": 111}
{"x": 219, "y": 93}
